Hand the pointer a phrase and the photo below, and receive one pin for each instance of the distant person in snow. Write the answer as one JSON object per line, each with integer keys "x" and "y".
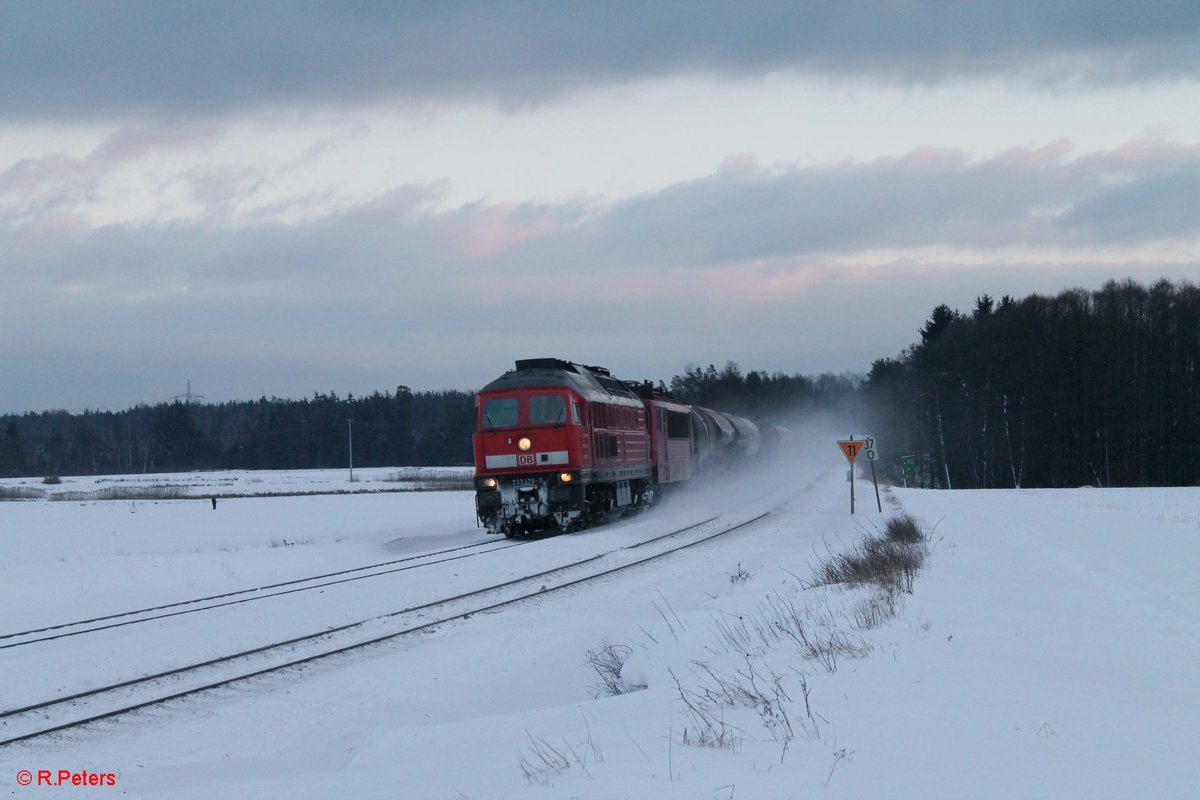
{"x": 214, "y": 502}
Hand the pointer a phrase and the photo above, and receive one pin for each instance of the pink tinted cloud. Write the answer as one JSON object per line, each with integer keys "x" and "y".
{"x": 741, "y": 286}
{"x": 1149, "y": 153}
{"x": 135, "y": 142}
{"x": 740, "y": 164}
{"x": 479, "y": 233}
{"x": 929, "y": 158}
{"x": 31, "y": 175}
{"x": 58, "y": 183}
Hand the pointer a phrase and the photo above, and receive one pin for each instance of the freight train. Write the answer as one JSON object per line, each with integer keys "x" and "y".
{"x": 560, "y": 446}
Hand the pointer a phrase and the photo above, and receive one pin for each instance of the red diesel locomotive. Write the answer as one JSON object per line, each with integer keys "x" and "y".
{"x": 560, "y": 445}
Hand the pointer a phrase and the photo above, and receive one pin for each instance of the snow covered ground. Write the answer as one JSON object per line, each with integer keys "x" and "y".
{"x": 236, "y": 483}
{"x": 1047, "y": 649}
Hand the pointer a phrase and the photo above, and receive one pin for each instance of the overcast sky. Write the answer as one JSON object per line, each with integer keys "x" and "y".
{"x": 286, "y": 197}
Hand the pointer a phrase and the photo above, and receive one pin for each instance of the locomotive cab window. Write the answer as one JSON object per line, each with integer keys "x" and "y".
{"x": 500, "y": 412}
{"x": 547, "y": 409}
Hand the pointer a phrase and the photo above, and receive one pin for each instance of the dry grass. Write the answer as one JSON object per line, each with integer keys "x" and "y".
{"x": 813, "y": 625}
{"x": 708, "y": 726}
{"x": 21, "y": 493}
{"x": 782, "y": 621}
{"x": 607, "y": 662}
{"x": 157, "y": 492}
{"x": 889, "y": 560}
{"x": 542, "y": 760}
{"x": 423, "y": 479}
{"x": 741, "y": 576}
{"x": 905, "y": 529}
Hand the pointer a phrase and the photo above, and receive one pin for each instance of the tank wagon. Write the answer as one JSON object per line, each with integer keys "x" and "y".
{"x": 560, "y": 445}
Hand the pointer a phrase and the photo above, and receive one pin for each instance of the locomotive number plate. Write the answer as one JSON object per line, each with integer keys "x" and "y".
{"x": 525, "y": 460}
{"x": 526, "y": 481}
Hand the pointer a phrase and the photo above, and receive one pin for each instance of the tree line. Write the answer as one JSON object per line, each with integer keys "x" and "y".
{"x": 403, "y": 428}
{"x": 1082, "y": 388}
{"x": 1096, "y": 388}
{"x": 775, "y": 397}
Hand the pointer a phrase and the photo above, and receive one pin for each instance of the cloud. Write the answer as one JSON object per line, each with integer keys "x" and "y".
{"x": 88, "y": 58}
{"x": 1159, "y": 205}
{"x": 835, "y": 265}
{"x": 928, "y": 197}
{"x": 201, "y": 172}
{"x": 60, "y": 183}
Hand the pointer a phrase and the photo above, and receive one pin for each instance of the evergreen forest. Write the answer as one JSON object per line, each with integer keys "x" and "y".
{"x": 1086, "y": 388}
{"x": 1082, "y": 388}
{"x": 404, "y": 428}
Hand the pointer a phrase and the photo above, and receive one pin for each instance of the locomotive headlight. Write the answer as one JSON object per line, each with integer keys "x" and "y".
{"x": 566, "y": 477}
{"x": 524, "y": 444}
{"x": 485, "y": 483}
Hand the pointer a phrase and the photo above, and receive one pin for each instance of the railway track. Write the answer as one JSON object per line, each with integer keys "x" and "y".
{"x": 121, "y": 619}
{"x": 107, "y": 702}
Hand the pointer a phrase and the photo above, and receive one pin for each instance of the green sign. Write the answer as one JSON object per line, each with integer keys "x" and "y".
{"x": 909, "y": 465}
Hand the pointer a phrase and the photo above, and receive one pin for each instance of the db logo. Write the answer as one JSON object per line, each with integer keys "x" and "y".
{"x": 525, "y": 460}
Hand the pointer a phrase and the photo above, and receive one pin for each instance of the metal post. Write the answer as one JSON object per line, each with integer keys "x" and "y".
{"x": 350, "y": 434}
{"x": 852, "y": 482}
{"x": 876, "y": 486}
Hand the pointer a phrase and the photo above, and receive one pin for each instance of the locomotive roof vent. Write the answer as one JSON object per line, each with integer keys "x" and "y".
{"x": 545, "y": 363}
{"x": 613, "y": 385}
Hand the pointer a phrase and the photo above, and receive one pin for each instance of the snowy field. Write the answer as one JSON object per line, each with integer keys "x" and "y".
{"x": 1047, "y": 648}
{"x": 236, "y": 483}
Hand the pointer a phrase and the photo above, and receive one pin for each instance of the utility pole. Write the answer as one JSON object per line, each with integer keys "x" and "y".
{"x": 350, "y": 434}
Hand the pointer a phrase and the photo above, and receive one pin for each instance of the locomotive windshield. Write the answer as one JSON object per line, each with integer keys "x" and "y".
{"x": 500, "y": 412}
{"x": 547, "y": 409}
